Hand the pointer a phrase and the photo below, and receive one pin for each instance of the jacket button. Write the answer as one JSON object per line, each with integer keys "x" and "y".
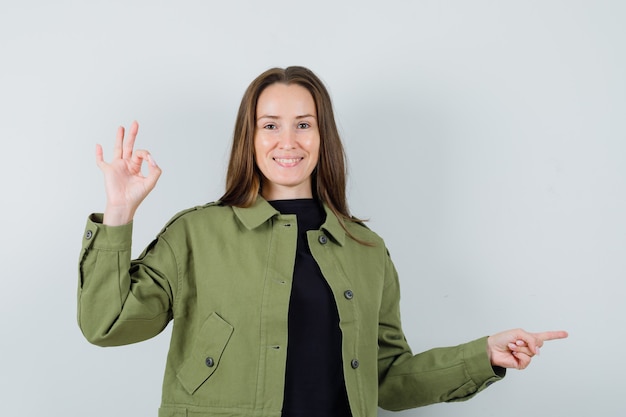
{"x": 348, "y": 294}
{"x": 209, "y": 362}
{"x": 323, "y": 239}
{"x": 88, "y": 234}
{"x": 354, "y": 363}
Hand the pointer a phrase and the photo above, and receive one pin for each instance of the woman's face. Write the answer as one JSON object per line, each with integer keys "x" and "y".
{"x": 286, "y": 141}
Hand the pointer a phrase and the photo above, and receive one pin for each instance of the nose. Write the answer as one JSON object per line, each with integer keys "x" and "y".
{"x": 287, "y": 139}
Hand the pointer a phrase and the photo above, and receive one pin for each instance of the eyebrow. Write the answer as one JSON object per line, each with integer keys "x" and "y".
{"x": 269, "y": 116}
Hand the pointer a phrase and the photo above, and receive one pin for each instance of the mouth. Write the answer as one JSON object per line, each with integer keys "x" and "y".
{"x": 287, "y": 162}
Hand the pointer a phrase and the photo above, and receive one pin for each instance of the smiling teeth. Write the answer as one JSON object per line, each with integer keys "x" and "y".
{"x": 287, "y": 161}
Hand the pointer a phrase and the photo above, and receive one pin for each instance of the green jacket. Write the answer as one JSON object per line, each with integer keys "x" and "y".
{"x": 223, "y": 274}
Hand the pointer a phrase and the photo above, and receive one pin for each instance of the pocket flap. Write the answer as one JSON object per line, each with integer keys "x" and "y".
{"x": 206, "y": 353}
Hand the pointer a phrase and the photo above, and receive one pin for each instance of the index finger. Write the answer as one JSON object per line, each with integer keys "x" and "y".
{"x": 552, "y": 335}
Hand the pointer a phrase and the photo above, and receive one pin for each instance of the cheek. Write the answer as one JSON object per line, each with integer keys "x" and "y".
{"x": 257, "y": 156}
{"x": 262, "y": 145}
{"x": 315, "y": 150}
{"x": 259, "y": 149}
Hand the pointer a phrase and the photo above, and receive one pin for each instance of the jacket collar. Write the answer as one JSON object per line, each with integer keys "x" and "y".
{"x": 261, "y": 211}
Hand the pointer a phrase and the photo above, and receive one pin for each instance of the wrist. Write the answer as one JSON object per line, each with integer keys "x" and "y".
{"x": 117, "y": 216}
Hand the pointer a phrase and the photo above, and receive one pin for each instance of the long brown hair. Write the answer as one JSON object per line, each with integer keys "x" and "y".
{"x": 243, "y": 178}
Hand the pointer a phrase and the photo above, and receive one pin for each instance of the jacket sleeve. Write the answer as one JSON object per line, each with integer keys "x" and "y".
{"x": 122, "y": 301}
{"x": 438, "y": 375}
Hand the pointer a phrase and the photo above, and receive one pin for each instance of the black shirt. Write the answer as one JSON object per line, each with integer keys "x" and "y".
{"x": 314, "y": 381}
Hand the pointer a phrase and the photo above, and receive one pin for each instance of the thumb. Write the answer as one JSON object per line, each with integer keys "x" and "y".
{"x": 154, "y": 172}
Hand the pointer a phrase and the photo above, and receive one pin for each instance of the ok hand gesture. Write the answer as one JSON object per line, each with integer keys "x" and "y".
{"x": 125, "y": 185}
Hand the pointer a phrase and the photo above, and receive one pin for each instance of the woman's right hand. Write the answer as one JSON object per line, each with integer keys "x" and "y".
{"x": 125, "y": 185}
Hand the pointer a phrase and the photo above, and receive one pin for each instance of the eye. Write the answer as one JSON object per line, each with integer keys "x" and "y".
{"x": 270, "y": 126}
{"x": 303, "y": 125}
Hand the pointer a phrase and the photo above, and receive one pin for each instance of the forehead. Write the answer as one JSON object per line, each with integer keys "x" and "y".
{"x": 281, "y": 99}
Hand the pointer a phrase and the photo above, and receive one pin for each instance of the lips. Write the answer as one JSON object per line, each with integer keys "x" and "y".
{"x": 288, "y": 162}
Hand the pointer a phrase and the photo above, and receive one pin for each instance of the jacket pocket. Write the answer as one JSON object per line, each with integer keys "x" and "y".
{"x": 206, "y": 354}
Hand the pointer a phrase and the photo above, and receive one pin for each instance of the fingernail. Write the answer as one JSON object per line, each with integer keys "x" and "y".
{"x": 537, "y": 351}
{"x": 512, "y": 346}
{"x": 152, "y": 161}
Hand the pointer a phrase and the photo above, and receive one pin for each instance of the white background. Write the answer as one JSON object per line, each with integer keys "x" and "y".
{"x": 486, "y": 144}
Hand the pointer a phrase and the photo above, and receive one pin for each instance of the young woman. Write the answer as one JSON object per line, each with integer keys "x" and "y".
{"x": 282, "y": 303}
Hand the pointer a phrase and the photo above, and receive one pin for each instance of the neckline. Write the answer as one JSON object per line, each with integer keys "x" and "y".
{"x": 298, "y": 206}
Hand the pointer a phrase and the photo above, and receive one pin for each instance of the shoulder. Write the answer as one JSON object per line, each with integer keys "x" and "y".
{"x": 195, "y": 216}
{"x": 361, "y": 231}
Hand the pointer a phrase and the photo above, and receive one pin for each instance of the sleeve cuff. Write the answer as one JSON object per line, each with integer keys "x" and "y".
{"x": 100, "y": 236}
{"x": 479, "y": 366}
